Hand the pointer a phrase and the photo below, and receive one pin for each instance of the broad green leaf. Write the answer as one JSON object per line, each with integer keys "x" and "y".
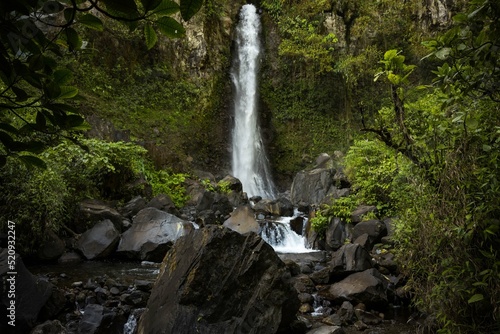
{"x": 443, "y": 53}
{"x": 21, "y": 94}
{"x": 170, "y": 27}
{"x": 9, "y": 128}
{"x": 486, "y": 148}
{"x": 476, "y": 298}
{"x": 35, "y": 147}
{"x": 3, "y": 160}
{"x": 41, "y": 122}
{"x": 73, "y": 121}
{"x": 69, "y": 14}
{"x": 189, "y": 8}
{"x": 36, "y": 62}
{"x": 63, "y": 76}
{"x": 6, "y": 139}
{"x": 150, "y": 35}
{"x": 390, "y": 54}
{"x": 52, "y": 90}
{"x": 167, "y": 8}
{"x": 91, "y": 22}
{"x": 150, "y": 4}
{"x": 127, "y": 7}
{"x": 68, "y": 92}
{"x": 73, "y": 39}
{"x": 32, "y": 161}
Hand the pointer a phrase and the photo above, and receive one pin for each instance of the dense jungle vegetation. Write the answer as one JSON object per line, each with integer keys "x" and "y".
{"x": 99, "y": 103}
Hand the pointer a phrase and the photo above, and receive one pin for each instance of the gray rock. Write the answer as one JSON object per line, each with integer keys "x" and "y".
{"x": 50, "y": 327}
{"x": 132, "y": 207}
{"x": 243, "y": 220}
{"x": 345, "y": 313}
{"x": 52, "y": 247}
{"x": 360, "y": 211}
{"x": 70, "y": 257}
{"x": 152, "y": 234}
{"x": 325, "y": 329}
{"x": 96, "y": 211}
{"x": 217, "y": 281}
{"x": 337, "y": 233}
{"x": 349, "y": 259}
{"x": 311, "y": 187}
{"x": 100, "y": 241}
{"x": 162, "y": 202}
{"x": 375, "y": 229}
{"x": 367, "y": 287}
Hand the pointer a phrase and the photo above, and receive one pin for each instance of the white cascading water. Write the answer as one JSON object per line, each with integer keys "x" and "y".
{"x": 249, "y": 161}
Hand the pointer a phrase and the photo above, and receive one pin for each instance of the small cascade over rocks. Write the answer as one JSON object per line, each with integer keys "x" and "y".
{"x": 286, "y": 234}
{"x": 249, "y": 160}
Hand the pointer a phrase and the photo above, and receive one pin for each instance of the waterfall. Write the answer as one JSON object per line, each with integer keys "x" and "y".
{"x": 249, "y": 161}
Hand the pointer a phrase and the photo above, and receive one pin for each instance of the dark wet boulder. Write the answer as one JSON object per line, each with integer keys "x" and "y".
{"x": 132, "y": 207}
{"x": 50, "y": 327}
{"x": 280, "y": 207}
{"x": 98, "y": 319}
{"x": 312, "y": 187}
{"x": 362, "y": 210}
{"x": 51, "y": 248}
{"x": 100, "y": 241}
{"x": 337, "y": 233}
{"x": 93, "y": 211}
{"x": 350, "y": 258}
{"x": 217, "y": 281}
{"x": 152, "y": 234}
{"x": 375, "y": 229}
{"x": 164, "y": 203}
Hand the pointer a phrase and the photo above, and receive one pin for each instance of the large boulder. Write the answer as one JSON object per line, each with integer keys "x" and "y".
{"x": 132, "y": 207}
{"x": 152, "y": 234}
{"x": 242, "y": 220}
{"x": 374, "y": 229}
{"x": 280, "y": 207}
{"x": 368, "y": 287}
{"x": 97, "y": 319}
{"x": 312, "y": 187}
{"x": 216, "y": 281}
{"x": 164, "y": 203}
{"x": 337, "y": 233}
{"x": 349, "y": 259}
{"x": 96, "y": 211}
{"x": 52, "y": 247}
{"x": 100, "y": 241}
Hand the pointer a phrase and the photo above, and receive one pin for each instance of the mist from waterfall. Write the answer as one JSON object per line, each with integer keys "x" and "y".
{"x": 249, "y": 161}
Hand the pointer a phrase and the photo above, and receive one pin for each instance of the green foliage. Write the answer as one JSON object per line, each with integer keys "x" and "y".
{"x": 224, "y": 187}
{"x": 470, "y": 53}
{"x": 171, "y": 184}
{"x": 33, "y": 82}
{"x": 341, "y": 208}
{"x": 46, "y": 199}
{"x": 379, "y": 176}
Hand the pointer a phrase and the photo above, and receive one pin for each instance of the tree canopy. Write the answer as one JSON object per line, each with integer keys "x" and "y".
{"x": 36, "y": 95}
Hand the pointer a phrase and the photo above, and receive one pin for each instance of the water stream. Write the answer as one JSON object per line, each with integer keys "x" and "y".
{"x": 249, "y": 161}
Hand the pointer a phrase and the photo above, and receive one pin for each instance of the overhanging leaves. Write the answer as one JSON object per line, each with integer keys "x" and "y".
{"x": 170, "y": 27}
{"x": 189, "y": 8}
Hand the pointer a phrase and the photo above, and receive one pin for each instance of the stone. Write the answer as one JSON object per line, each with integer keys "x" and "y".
{"x": 217, "y": 281}
{"x": 332, "y": 320}
{"x": 70, "y": 257}
{"x": 152, "y": 234}
{"x": 349, "y": 259}
{"x": 303, "y": 284}
{"x": 324, "y": 161}
{"x": 100, "y": 241}
{"x": 325, "y": 329}
{"x": 97, "y": 319}
{"x": 360, "y": 211}
{"x": 345, "y": 313}
{"x": 52, "y": 247}
{"x": 305, "y": 298}
{"x": 374, "y": 228}
{"x": 132, "y": 207}
{"x": 297, "y": 225}
{"x": 312, "y": 187}
{"x": 96, "y": 211}
{"x": 162, "y": 202}
{"x": 232, "y": 183}
{"x": 243, "y": 220}
{"x": 337, "y": 233}
{"x": 50, "y": 327}
{"x": 306, "y": 308}
{"x": 206, "y": 217}
{"x": 368, "y": 287}
{"x": 31, "y": 294}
